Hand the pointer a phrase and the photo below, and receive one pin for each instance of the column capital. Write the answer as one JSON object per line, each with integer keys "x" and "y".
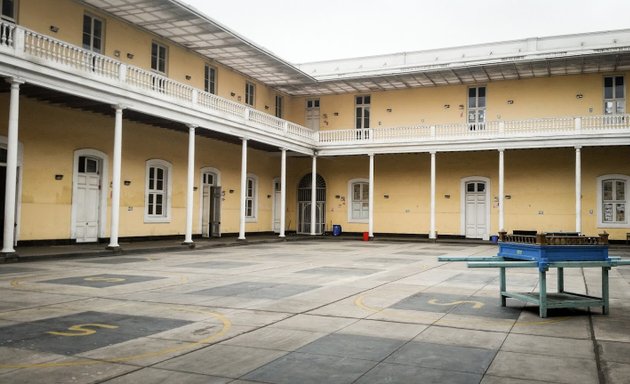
{"x": 578, "y": 147}
{"x": 371, "y": 154}
{"x": 192, "y": 126}
{"x": 244, "y": 138}
{"x": 433, "y": 152}
{"x": 119, "y": 106}
{"x": 283, "y": 149}
{"x": 501, "y": 149}
{"x": 14, "y": 81}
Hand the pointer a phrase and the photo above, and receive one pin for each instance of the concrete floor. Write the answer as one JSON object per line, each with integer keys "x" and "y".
{"x": 302, "y": 312}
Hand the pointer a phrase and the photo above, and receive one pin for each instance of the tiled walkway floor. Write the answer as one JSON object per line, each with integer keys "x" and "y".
{"x": 301, "y": 312}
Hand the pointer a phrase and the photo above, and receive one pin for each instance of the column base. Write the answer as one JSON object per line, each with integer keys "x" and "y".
{"x": 115, "y": 249}
{"x": 8, "y": 257}
{"x": 189, "y": 244}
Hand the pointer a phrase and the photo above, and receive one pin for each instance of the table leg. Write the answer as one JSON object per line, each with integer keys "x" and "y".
{"x": 605, "y": 294}
{"x": 502, "y": 286}
{"x": 560, "y": 279}
{"x": 542, "y": 279}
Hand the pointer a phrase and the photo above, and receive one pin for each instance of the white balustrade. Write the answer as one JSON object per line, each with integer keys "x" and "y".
{"x": 59, "y": 55}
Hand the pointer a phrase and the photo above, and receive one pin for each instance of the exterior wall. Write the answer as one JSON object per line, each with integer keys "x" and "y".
{"x": 125, "y": 38}
{"x": 532, "y": 98}
{"x": 51, "y": 134}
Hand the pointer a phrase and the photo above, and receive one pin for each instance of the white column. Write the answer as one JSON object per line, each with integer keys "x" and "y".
{"x": 371, "y": 198}
{"x": 501, "y": 190}
{"x": 432, "y": 234}
{"x": 283, "y": 191}
{"x": 117, "y": 165}
{"x": 314, "y": 196}
{"x": 11, "y": 177}
{"x": 241, "y": 232}
{"x": 190, "y": 185}
{"x": 578, "y": 189}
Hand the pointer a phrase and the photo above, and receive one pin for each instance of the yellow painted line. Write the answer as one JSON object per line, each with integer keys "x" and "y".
{"x": 82, "y": 330}
{"x": 105, "y": 279}
{"x": 359, "y": 303}
{"x": 226, "y": 326}
{"x": 476, "y": 304}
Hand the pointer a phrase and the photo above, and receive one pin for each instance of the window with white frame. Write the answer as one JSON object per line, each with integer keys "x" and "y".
{"x": 210, "y": 79}
{"x": 250, "y": 91}
{"x": 612, "y": 193}
{"x": 279, "y": 104}
{"x": 8, "y": 9}
{"x": 359, "y": 190}
{"x": 158, "y": 189}
{"x": 92, "y": 33}
{"x": 362, "y": 111}
{"x": 251, "y": 197}
{"x": 158, "y": 57}
{"x": 614, "y": 95}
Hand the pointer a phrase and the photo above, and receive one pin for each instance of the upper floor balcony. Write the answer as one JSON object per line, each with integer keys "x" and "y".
{"x": 24, "y": 46}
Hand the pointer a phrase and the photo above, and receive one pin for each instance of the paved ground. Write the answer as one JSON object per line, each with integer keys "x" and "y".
{"x": 301, "y": 312}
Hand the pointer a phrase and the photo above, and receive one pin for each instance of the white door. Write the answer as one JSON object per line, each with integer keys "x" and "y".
{"x": 312, "y": 114}
{"x": 276, "y": 206}
{"x": 476, "y": 225}
{"x": 88, "y": 197}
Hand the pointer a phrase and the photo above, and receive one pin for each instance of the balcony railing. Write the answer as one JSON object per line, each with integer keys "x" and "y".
{"x": 57, "y": 54}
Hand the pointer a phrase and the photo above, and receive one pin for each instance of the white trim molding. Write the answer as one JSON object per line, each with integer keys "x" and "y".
{"x": 217, "y": 183}
{"x": 255, "y": 198}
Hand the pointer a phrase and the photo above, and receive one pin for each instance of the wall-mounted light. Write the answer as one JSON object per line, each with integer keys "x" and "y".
{"x": 388, "y": 109}
{"x": 266, "y": 107}
{"x": 127, "y": 183}
{"x": 447, "y": 196}
{"x": 269, "y": 196}
{"x": 54, "y": 28}
{"x": 117, "y": 53}
{"x": 579, "y": 96}
{"x": 461, "y": 106}
{"x": 232, "y": 94}
{"x": 188, "y": 77}
{"x": 508, "y": 197}
{"x": 336, "y": 113}
{"x": 195, "y": 188}
{"x": 386, "y": 196}
{"x": 231, "y": 191}
{"x": 447, "y": 106}
{"x": 58, "y": 177}
{"x": 510, "y": 102}
{"x": 337, "y": 196}
{"x": 130, "y": 56}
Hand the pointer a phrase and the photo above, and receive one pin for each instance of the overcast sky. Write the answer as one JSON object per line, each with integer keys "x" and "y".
{"x": 299, "y": 31}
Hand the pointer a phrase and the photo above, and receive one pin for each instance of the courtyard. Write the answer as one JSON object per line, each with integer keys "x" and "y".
{"x": 302, "y": 312}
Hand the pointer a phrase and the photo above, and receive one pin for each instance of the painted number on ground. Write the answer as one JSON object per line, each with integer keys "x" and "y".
{"x": 82, "y": 329}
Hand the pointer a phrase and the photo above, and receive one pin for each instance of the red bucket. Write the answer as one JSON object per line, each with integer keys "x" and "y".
{"x": 366, "y": 236}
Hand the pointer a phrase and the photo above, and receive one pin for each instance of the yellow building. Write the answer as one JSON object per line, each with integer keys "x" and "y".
{"x": 146, "y": 121}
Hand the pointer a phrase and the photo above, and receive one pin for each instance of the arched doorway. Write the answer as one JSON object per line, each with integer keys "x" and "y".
{"x": 89, "y": 198}
{"x": 304, "y": 205}
{"x": 476, "y": 207}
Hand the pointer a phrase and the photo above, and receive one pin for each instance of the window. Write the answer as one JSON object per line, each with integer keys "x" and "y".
{"x": 210, "y": 79}
{"x": 614, "y": 95}
{"x": 279, "y": 102}
{"x": 477, "y": 108}
{"x": 8, "y": 9}
{"x": 158, "y": 189}
{"x": 362, "y": 115}
{"x": 250, "y": 91}
{"x": 250, "y": 198}
{"x": 312, "y": 114}
{"x": 92, "y": 33}
{"x": 359, "y": 192}
{"x": 158, "y": 57}
{"x": 612, "y": 193}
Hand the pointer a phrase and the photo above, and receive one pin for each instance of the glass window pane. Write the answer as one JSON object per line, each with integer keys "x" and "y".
{"x": 8, "y": 8}
{"x": 608, "y": 213}
{"x": 619, "y": 87}
{"x": 81, "y": 163}
{"x": 366, "y": 99}
{"x": 481, "y": 187}
{"x": 92, "y": 166}
{"x": 482, "y": 92}
{"x": 620, "y": 190}
{"x": 359, "y": 100}
{"x": 470, "y": 187}
{"x": 608, "y": 87}
{"x": 607, "y": 190}
{"x": 621, "y": 213}
{"x": 316, "y": 103}
{"x": 356, "y": 196}
{"x": 366, "y": 191}
{"x": 150, "y": 210}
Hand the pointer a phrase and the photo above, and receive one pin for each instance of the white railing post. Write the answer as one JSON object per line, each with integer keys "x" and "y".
{"x": 501, "y": 128}
{"x": 285, "y": 127}
{"x": 433, "y": 131}
{"x": 122, "y": 73}
{"x": 578, "y": 124}
{"x": 19, "y": 41}
{"x": 195, "y": 97}
{"x": 246, "y": 114}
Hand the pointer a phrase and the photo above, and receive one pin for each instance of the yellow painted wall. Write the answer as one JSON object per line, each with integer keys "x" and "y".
{"x": 125, "y": 38}
{"x": 532, "y": 98}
